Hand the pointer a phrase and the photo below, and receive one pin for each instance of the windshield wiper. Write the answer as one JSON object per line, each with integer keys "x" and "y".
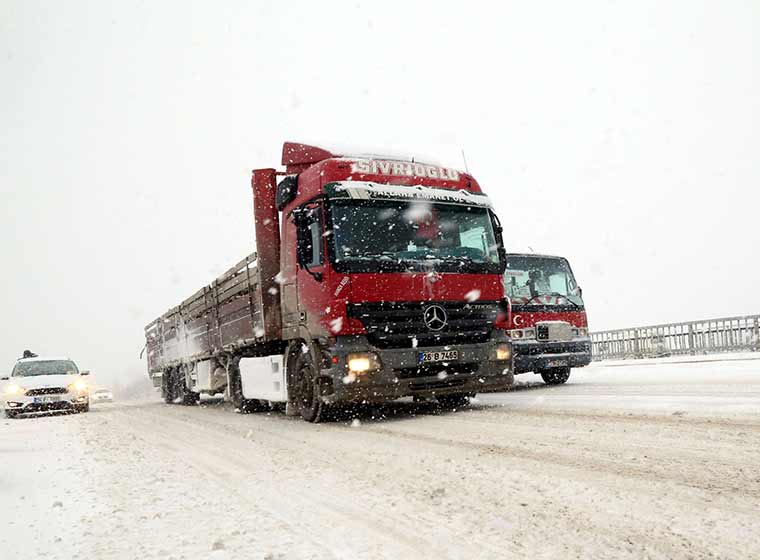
{"x": 377, "y": 255}
{"x": 557, "y": 294}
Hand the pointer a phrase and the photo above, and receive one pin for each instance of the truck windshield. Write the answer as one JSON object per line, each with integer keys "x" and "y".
{"x": 531, "y": 280}
{"x": 45, "y": 367}
{"x": 379, "y": 236}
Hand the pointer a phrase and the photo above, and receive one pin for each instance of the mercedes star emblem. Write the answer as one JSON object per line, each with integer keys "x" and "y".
{"x": 435, "y": 317}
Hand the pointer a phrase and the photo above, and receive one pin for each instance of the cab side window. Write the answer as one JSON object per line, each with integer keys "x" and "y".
{"x": 310, "y": 237}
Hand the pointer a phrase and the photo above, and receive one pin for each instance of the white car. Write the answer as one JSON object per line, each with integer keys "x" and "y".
{"x": 101, "y": 395}
{"x": 40, "y": 384}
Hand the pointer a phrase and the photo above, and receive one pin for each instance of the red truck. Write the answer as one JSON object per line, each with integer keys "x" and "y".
{"x": 374, "y": 279}
{"x": 548, "y": 323}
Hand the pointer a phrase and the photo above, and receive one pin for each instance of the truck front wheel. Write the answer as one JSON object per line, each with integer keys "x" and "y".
{"x": 308, "y": 394}
{"x": 455, "y": 401}
{"x": 555, "y": 376}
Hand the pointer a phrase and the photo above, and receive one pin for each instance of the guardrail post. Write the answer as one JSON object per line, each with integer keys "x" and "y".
{"x": 692, "y": 350}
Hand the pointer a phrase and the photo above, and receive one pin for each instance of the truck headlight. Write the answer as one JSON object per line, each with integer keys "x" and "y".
{"x": 362, "y": 362}
{"x": 14, "y": 389}
{"x": 519, "y": 334}
{"x": 503, "y": 352}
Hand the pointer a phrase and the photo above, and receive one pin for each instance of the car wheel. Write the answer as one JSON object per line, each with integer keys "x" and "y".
{"x": 11, "y": 413}
{"x": 555, "y": 376}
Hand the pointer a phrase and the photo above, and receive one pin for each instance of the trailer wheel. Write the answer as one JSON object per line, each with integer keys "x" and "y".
{"x": 245, "y": 406}
{"x": 182, "y": 391}
{"x": 308, "y": 394}
{"x": 455, "y": 401}
{"x": 167, "y": 386}
{"x": 555, "y": 376}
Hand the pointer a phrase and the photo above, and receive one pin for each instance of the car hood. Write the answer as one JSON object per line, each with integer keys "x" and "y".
{"x": 42, "y": 381}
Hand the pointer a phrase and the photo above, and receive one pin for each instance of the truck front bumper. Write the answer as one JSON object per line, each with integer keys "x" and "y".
{"x": 534, "y": 355}
{"x": 401, "y": 374}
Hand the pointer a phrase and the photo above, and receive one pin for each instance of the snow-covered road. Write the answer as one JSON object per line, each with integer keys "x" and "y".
{"x": 646, "y": 459}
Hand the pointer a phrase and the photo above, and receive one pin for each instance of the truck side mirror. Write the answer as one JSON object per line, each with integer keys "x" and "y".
{"x": 286, "y": 191}
{"x": 304, "y": 243}
{"x": 6, "y": 378}
{"x": 84, "y": 372}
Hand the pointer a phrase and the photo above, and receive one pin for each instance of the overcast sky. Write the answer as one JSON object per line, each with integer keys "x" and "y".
{"x": 622, "y": 135}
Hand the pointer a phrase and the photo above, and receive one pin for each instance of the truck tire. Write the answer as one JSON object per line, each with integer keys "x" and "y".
{"x": 454, "y": 401}
{"x": 555, "y": 376}
{"x": 83, "y": 407}
{"x": 307, "y": 388}
{"x": 183, "y": 393}
{"x": 167, "y": 386}
{"x": 244, "y": 406}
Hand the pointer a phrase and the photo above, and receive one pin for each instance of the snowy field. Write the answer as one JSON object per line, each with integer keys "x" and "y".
{"x": 655, "y": 459}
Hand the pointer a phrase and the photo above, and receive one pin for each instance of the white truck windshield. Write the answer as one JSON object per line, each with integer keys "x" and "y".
{"x": 536, "y": 280}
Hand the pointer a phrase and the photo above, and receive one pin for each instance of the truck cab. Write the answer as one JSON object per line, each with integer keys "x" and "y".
{"x": 548, "y": 323}
{"x": 393, "y": 268}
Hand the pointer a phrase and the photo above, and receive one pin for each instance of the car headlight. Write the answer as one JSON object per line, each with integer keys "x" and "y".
{"x": 362, "y": 362}
{"x": 503, "y": 352}
{"x": 14, "y": 389}
{"x": 78, "y": 386}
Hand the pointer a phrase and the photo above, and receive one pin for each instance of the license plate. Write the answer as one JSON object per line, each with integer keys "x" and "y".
{"x": 444, "y": 356}
{"x": 40, "y": 400}
{"x": 557, "y": 363}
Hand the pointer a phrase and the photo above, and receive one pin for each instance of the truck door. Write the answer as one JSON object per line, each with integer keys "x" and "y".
{"x": 310, "y": 272}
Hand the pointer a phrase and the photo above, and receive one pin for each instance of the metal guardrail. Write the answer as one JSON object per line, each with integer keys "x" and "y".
{"x": 730, "y": 334}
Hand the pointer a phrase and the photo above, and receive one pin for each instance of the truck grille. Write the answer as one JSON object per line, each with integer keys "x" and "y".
{"x": 399, "y": 324}
{"x": 46, "y": 391}
{"x": 554, "y": 330}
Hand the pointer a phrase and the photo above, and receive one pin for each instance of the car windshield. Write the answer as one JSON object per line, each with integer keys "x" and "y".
{"x": 392, "y": 236}
{"x": 540, "y": 281}
{"x": 45, "y": 367}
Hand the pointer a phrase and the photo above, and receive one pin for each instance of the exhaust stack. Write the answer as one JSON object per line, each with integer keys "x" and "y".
{"x": 267, "y": 224}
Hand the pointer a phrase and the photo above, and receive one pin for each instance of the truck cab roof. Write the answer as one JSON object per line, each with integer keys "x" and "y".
{"x": 317, "y": 167}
